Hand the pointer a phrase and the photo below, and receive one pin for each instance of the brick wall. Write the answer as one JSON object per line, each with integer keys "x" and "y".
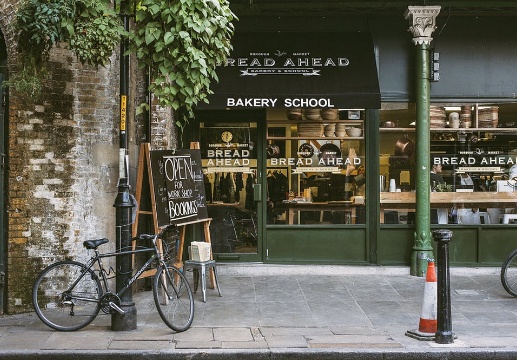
{"x": 62, "y": 170}
{"x": 63, "y": 162}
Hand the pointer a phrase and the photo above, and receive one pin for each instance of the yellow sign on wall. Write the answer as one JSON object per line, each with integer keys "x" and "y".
{"x": 123, "y": 106}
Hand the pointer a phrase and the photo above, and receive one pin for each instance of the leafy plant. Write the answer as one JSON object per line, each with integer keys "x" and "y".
{"x": 96, "y": 32}
{"x": 29, "y": 81}
{"x": 443, "y": 187}
{"x": 182, "y": 42}
{"x": 41, "y": 24}
{"x": 91, "y": 28}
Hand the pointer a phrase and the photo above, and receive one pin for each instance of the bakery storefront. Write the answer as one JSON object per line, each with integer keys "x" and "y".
{"x": 304, "y": 164}
{"x": 285, "y": 160}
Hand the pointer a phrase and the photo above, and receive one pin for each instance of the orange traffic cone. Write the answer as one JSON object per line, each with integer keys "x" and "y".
{"x": 428, "y": 324}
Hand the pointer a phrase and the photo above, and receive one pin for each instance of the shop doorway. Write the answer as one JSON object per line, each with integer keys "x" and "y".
{"x": 230, "y": 149}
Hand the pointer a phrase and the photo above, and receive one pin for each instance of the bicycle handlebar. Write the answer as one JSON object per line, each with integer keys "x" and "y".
{"x": 153, "y": 236}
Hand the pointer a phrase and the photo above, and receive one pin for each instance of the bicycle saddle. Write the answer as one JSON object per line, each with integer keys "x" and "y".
{"x": 93, "y": 244}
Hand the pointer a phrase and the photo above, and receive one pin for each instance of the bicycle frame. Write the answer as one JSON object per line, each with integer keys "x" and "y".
{"x": 97, "y": 258}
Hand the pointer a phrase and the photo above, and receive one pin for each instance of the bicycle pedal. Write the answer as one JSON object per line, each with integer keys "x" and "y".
{"x": 116, "y": 308}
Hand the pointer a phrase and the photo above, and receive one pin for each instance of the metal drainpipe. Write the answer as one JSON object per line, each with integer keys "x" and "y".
{"x": 123, "y": 203}
{"x": 422, "y": 24}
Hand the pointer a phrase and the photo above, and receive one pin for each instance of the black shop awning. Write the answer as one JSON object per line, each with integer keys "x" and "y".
{"x": 282, "y": 70}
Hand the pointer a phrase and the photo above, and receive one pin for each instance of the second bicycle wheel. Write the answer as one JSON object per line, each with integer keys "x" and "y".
{"x": 509, "y": 274}
{"x": 66, "y": 296}
{"x": 173, "y": 298}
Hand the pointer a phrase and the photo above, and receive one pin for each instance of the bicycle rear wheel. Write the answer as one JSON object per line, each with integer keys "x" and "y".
{"x": 173, "y": 298}
{"x": 509, "y": 273}
{"x": 66, "y": 295}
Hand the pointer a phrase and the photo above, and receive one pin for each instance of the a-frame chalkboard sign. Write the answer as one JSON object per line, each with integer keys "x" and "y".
{"x": 173, "y": 181}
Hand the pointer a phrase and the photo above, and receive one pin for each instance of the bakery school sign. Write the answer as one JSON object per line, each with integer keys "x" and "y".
{"x": 178, "y": 186}
{"x": 297, "y": 69}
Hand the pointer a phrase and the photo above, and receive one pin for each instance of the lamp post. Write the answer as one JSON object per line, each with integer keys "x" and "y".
{"x": 422, "y": 24}
{"x": 123, "y": 203}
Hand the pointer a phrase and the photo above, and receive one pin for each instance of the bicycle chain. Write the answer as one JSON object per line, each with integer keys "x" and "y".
{"x": 106, "y": 299}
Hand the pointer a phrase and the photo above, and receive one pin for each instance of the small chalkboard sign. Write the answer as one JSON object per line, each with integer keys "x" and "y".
{"x": 178, "y": 186}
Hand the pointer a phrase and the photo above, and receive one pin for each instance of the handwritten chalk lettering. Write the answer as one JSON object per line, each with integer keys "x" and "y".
{"x": 181, "y": 210}
{"x": 178, "y": 168}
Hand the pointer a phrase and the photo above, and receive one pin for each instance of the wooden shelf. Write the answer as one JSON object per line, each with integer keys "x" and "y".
{"x": 468, "y": 130}
{"x": 337, "y": 121}
{"x": 315, "y": 138}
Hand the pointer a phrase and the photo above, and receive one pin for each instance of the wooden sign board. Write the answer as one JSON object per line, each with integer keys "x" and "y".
{"x": 178, "y": 186}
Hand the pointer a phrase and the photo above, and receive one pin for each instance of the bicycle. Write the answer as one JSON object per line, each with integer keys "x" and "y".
{"x": 68, "y": 295}
{"x": 509, "y": 273}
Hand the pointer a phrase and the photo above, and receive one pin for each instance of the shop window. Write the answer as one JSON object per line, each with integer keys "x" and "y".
{"x": 474, "y": 151}
{"x": 315, "y": 167}
{"x": 229, "y": 159}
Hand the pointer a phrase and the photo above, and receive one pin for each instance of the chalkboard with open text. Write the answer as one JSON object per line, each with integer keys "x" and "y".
{"x": 178, "y": 186}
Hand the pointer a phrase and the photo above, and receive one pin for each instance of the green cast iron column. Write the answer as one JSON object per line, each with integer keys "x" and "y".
{"x": 422, "y": 24}
{"x": 422, "y": 249}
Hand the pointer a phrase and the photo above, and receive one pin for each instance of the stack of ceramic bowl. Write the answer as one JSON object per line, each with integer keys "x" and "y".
{"x": 437, "y": 117}
{"x": 329, "y": 114}
{"x": 340, "y": 130}
{"x": 294, "y": 114}
{"x": 353, "y": 131}
{"x": 312, "y": 114}
{"x": 454, "y": 120}
{"x": 466, "y": 116}
{"x": 310, "y": 129}
{"x": 488, "y": 117}
{"x": 329, "y": 130}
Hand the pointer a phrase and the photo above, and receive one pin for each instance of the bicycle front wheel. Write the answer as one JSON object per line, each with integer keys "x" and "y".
{"x": 66, "y": 295}
{"x": 509, "y": 273}
{"x": 173, "y": 298}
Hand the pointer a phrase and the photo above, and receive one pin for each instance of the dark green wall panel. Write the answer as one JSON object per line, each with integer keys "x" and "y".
{"x": 394, "y": 246}
{"x": 496, "y": 244}
{"x": 329, "y": 245}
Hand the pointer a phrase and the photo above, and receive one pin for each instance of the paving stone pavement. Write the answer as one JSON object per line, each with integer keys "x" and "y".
{"x": 293, "y": 312}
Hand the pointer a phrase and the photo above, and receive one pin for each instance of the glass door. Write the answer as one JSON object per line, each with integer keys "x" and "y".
{"x": 229, "y": 158}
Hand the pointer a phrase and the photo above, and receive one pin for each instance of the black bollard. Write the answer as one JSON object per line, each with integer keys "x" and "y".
{"x": 444, "y": 333}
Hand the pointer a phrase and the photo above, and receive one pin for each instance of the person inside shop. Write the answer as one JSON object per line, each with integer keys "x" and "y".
{"x": 436, "y": 178}
{"x": 438, "y": 216}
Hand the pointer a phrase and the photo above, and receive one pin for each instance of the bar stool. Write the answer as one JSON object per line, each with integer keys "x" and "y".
{"x": 202, "y": 266}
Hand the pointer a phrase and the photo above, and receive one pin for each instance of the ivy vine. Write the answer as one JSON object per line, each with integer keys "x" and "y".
{"x": 181, "y": 42}
{"x": 90, "y": 27}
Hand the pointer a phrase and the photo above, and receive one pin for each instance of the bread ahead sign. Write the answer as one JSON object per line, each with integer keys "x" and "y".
{"x": 283, "y": 70}
{"x": 282, "y": 63}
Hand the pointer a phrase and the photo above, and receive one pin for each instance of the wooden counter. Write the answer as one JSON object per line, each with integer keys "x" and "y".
{"x": 346, "y": 206}
{"x": 406, "y": 200}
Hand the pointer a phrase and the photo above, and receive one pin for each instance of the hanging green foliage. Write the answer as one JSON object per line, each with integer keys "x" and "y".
{"x": 182, "y": 42}
{"x": 96, "y": 32}
{"x": 91, "y": 28}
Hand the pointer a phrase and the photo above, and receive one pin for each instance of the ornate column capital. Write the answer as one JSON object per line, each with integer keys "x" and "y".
{"x": 422, "y": 21}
